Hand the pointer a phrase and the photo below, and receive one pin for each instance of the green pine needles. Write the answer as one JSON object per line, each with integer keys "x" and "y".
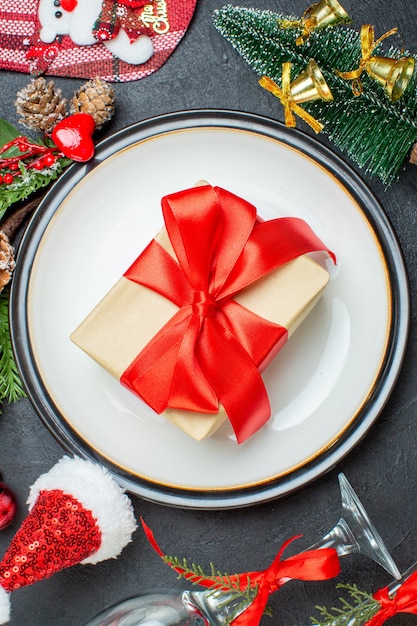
{"x": 375, "y": 132}
{"x": 236, "y": 596}
{"x": 11, "y": 388}
{"x": 26, "y": 165}
{"x": 29, "y": 183}
{"x": 354, "y": 612}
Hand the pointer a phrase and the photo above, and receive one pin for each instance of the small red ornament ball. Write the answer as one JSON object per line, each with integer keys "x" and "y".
{"x": 8, "y": 505}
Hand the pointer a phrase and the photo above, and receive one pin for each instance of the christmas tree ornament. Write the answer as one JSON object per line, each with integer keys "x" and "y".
{"x": 393, "y": 74}
{"x": 74, "y": 136}
{"x": 96, "y": 97}
{"x": 320, "y": 15}
{"x": 40, "y": 105}
{"x": 309, "y": 85}
{"x": 377, "y": 133}
{"x": 77, "y": 514}
{"x": 8, "y": 505}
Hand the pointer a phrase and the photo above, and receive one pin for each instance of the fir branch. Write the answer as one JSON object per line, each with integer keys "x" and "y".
{"x": 29, "y": 182}
{"x": 11, "y": 387}
{"x": 218, "y": 580}
{"x": 231, "y": 586}
{"x": 374, "y": 131}
{"x": 356, "y": 612}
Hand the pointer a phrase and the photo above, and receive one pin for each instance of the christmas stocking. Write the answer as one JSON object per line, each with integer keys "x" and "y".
{"x": 116, "y": 40}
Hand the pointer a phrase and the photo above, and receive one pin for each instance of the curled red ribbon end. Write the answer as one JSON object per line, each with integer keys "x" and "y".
{"x": 321, "y": 564}
{"x": 208, "y": 353}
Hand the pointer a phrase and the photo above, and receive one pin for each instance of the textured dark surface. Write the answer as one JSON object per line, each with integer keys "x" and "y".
{"x": 204, "y": 72}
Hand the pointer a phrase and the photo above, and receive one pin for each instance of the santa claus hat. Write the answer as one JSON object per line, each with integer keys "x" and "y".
{"x": 77, "y": 514}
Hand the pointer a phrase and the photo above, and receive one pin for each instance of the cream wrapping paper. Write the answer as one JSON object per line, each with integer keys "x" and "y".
{"x": 129, "y": 315}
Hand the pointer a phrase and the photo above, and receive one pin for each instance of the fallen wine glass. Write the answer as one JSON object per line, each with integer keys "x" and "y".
{"x": 353, "y": 534}
{"x": 173, "y": 608}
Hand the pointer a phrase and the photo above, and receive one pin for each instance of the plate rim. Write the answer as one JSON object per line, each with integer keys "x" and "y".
{"x": 370, "y": 410}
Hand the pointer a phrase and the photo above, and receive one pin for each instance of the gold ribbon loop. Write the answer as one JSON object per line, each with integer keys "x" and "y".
{"x": 368, "y": 45}
{"x": 290, "y": 23}
{"x": 306, "y": 24}
{"x": 284, "y": 95}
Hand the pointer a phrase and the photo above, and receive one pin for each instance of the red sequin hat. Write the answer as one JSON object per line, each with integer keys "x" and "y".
{"x": 77, "y": 514}
{"x": 116, "y": 40}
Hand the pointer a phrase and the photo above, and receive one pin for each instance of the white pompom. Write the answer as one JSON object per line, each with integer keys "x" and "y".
{"x": 4, "y": 606}
{"x": 98, "y": 492}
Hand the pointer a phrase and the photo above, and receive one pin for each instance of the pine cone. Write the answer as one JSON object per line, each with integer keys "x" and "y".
{"x": 413, "y": 155}
{"x": 7, "y": 262}
{"x": 97, "y": 98}
{"x": 40, "y": 105}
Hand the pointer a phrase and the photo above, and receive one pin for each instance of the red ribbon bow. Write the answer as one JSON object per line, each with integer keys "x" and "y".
{"x": 404, "y": 601}
{"x": 319, "y": 564}
{"x": 210, "y": 350}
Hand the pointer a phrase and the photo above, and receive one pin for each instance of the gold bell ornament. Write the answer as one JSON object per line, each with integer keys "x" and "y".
{"x": 308, "y": 86}
{"x": 393, "y": 74}
{"x": 320, "y": 15}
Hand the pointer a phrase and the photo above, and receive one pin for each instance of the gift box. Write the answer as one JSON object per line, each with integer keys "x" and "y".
{"x": 202, "y": 311}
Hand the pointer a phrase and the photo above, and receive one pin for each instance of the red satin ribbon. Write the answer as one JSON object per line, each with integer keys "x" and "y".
{"x": 210, "y": 350}
{"x": 319, "y": 564}
{"x": 404, "y": 601}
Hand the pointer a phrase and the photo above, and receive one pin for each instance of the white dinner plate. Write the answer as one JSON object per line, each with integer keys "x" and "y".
{"x": 328, "y": 384}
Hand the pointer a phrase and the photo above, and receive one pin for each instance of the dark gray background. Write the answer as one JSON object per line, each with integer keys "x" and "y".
{"x": 205, "y": 72}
